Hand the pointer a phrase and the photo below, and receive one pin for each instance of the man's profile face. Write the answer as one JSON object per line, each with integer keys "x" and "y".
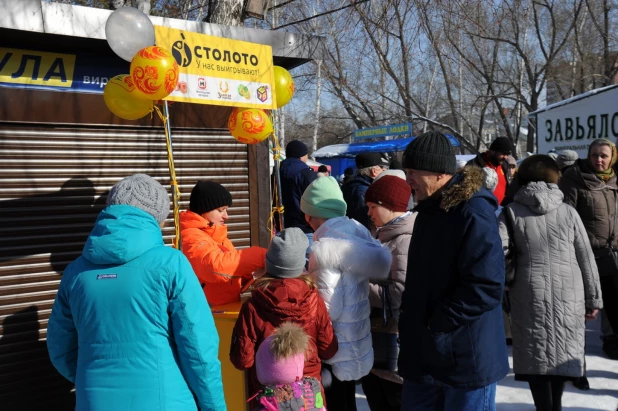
{"x": 424, "y": 183}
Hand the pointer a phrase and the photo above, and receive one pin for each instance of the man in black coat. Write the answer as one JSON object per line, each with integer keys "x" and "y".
{"x": 368, "y": 167}
{"x": 296, "y": 176}
{"x": 453, "y": 348}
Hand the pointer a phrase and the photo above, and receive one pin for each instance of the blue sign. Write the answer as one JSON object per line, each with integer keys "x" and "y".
{"x": 56, "y": 71}
{"x": 383, "y": 131}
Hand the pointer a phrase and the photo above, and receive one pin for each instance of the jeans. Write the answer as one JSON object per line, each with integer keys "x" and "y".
{"x": 424, "y": 397}
{"x": 310, "y": 238}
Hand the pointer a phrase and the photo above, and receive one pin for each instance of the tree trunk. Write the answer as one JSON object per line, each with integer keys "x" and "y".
{"x": 226, "y": 12}
{"x": 318, "y": 92}
{"x": 608, "y": 65}
{"x": 531, "y": 146}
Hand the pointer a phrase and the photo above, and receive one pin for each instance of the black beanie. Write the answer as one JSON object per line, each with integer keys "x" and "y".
{"x": 365, "y": 160}
{"x": 431, "y": 151}
{"x": 502, "y": 145}
{"x": 208, "y": 195}
{"x": 394, "y": 164}
{"x": 296, "y": 149}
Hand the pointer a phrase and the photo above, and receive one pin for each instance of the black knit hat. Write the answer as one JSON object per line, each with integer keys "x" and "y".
{"x": 296, "y": 149}
{"x": 394, "y": 164}
{"x": 365, "y": 160}
{"x": 208, "y": 195}
{"x": 431, "y": 151}
{"x": 502, "y": 145}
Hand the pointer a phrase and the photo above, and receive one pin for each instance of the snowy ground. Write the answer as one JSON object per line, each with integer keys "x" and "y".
{"x": 602, "y": 374}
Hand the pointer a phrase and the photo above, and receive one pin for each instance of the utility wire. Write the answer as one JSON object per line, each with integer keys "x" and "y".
{"x": 285, "y": 3}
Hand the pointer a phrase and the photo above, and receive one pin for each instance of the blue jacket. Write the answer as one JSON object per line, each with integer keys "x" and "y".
{"x": 295, "y": 178}
{"x": 131, "y": 326}
{"x": 354, "y": 196}
{"x": 451, "y": 328}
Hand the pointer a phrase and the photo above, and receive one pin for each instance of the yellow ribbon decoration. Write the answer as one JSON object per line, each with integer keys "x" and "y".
{"x": 270, "y": 224}
{"x": 173, "y": 182}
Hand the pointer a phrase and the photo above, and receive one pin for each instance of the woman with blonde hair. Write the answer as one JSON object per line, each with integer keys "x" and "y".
{"x": 591, "y": 186}
{"x": 284, "y": 294}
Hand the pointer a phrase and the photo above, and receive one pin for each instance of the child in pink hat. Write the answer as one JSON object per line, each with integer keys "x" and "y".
{"x": 279, "y": 362}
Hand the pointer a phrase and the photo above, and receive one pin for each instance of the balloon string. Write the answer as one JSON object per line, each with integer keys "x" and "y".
{"x": 173, "y": 182}
{"x": 270, "y": 224}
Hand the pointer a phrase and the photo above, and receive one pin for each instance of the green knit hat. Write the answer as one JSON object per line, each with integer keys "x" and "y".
{"x": 323, "y": 199}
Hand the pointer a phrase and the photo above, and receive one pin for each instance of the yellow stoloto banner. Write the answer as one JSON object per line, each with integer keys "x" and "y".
{"x": 219, "y": 71}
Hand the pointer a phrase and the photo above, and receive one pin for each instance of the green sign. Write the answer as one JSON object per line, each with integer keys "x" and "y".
{"x": 383, "y": 131}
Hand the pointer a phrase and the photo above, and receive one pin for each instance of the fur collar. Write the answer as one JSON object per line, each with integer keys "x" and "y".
{"x": 461, "y": 188}
{"x": 344, "y": 244}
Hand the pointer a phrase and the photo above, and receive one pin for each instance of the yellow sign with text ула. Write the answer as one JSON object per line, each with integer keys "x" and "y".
{"x": 36, "y": 68}
{"x": 219, "y": 71}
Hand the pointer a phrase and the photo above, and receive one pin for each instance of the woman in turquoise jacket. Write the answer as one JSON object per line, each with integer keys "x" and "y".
{"x": 130, "y": 325}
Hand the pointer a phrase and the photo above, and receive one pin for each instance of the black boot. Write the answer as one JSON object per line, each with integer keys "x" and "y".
{"x": 581, "y": 383}
{"x": 610, "y": 346}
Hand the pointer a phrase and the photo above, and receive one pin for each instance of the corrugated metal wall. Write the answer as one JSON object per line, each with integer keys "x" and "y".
{"x": 53, "y": 183}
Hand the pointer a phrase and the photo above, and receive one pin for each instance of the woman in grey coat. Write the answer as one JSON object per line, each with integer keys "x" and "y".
{"x": 556, "y": 285}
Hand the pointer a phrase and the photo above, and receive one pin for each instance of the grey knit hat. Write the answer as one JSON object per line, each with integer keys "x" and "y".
{"x": 397, "y": 173}
{"x": 285, "y": 257}
{"x": 490, "y": 179}
{"x": 143, "y": 192}
{"x": 431, "y": 151}
{"x": 566, "y": 158}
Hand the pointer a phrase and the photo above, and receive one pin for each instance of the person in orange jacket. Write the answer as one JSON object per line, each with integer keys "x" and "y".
{"x": 221, "y": 269}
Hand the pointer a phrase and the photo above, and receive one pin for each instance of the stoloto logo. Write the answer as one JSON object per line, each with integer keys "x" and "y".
{"x": 182, "y": 52}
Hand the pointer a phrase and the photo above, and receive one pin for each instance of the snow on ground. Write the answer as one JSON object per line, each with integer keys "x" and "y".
{"x": 602, "y": 373}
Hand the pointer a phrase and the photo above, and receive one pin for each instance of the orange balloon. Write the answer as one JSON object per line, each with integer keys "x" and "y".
{"x": 249, "y": 125}
{"x": 154, "y": 72}
{"x": 121, "y": 98}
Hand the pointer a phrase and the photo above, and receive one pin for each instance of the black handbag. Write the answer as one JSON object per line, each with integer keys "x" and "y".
{"x": 385, "y": 335}
{"x": 510, "y": 257}
{"x": 607, "y": 258}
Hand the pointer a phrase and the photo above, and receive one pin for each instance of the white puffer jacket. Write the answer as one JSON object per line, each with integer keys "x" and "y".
{"x": 343, "y": 258}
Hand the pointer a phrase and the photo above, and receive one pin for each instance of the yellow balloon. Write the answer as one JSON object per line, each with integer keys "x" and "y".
{"x": 154, "y": 72}
{"x": 121, "y": 98}
{"x": 249, "y": 125}
{"x": 284, "y": 86}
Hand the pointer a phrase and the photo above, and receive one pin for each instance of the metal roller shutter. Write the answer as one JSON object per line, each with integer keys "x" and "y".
{"x": 53, "y": 183}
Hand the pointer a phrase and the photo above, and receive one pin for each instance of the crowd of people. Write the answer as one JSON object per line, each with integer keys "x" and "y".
{"x": 408, "y": 281}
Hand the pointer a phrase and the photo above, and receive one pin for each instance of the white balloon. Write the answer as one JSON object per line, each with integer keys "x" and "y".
{"x": 127, "y": 31}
